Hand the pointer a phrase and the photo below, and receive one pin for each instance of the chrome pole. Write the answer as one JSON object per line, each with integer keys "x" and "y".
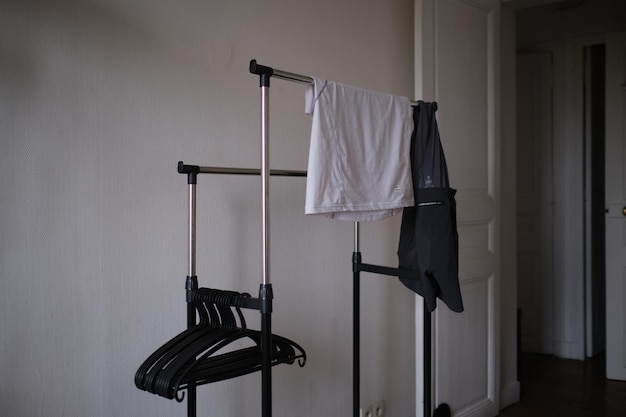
{"x": 265, "y": 174}
{"x": 192, "y": 232}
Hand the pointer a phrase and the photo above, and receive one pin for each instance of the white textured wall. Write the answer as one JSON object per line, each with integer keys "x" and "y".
{"x": 98, "y": 101}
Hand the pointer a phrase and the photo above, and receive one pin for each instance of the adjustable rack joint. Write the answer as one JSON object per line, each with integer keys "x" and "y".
{"x": 192, "y": 172}
{"x": 266, "y": 295}
{"x": 264, "y": 72}
{"x": 356, "y": 261}
{"x": 190, "y": 286}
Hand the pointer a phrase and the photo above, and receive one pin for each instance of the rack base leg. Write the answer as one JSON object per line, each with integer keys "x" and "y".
{"x": 356, "y": 336}
{"x": 266, "y": 296}
{"x": 426, "y": 366}
{"x": 191, "y": 284}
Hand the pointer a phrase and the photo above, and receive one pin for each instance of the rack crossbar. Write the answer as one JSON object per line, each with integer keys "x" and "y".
{"x": 195, "y": 169}
{"x": 288, "y": 76}
{"x": 385, "y": 270}
{"x": 251, "y": 171}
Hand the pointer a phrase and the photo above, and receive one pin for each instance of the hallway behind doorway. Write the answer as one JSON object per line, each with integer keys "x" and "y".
{"x": 555, "y": 387}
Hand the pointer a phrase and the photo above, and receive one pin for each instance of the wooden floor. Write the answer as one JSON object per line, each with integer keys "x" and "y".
{"x": 561, "y": 387}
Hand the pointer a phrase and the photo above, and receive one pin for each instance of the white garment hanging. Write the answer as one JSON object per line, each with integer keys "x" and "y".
{"x": 359, "y": 158}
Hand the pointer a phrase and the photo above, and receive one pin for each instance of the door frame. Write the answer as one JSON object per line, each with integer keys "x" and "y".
{"x": 595, "y": 257}
{"x": 478, "y": 202}
{"x": 569, "y": 245}
{"x": 615, "y": 202}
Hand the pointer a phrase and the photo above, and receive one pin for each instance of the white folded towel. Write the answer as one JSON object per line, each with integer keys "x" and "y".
{"x": 359, "y": 157}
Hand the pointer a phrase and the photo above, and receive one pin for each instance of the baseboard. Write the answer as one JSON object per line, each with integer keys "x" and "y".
{"x": 510, "y": 394}
{"x": 568, "y": 350}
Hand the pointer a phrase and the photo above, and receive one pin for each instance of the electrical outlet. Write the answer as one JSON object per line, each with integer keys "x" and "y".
{"x": 378, "y": 409}
{"x": 367, "y": 411}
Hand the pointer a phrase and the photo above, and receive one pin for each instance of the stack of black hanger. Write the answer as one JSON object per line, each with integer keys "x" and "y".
{"x": 199, "y": 355}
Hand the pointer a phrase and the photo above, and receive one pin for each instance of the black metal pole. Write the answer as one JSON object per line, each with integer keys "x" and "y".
{"x": 356, "y": 323}
{"x": 266, "y": 296}
{"x": 427, "y": 363}
{"x": 356, "y": 335}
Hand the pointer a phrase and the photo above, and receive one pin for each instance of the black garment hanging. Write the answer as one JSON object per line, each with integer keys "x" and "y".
{"x": 429, "y": 242}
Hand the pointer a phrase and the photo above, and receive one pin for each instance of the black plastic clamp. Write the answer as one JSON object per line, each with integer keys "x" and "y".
{"x": 266, "y": 294}
{"x": 191, "y": 171}
{"x": 264, "y": 72}
{"x": 191, "y": 285}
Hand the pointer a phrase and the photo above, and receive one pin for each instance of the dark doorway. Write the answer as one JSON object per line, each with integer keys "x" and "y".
{"x": 594, "y": 136}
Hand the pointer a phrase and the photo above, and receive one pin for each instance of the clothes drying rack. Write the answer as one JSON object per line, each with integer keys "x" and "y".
{"x": 358, "y": 266}
{"x": 273, "y": 349}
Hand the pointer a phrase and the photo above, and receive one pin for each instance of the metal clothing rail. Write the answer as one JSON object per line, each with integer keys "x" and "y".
{"x": 288, "y": 76}
{"x": 250, "y": 171}
{"x": 265, "y": 73}
{"x": 264, "y": 301}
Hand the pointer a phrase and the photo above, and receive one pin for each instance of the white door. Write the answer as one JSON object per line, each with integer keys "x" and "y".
{"x": 535, "y": 201}
{"x": 457, "y": 65}
{"x": 616, "y": 204}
